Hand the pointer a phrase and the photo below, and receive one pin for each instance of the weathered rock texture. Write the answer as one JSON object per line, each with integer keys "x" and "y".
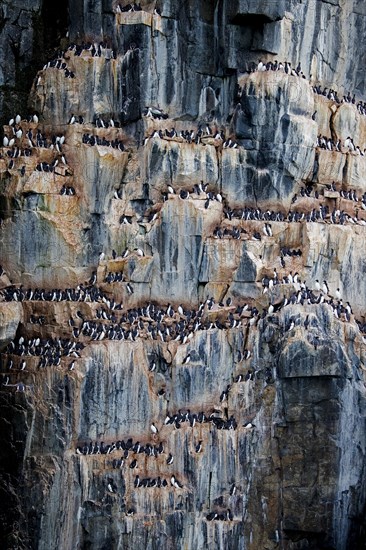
{"x": 29, "y": 31}
{"x": 299, "y": 467}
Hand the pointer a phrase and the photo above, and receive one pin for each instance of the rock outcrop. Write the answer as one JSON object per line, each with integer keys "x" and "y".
{"x": 182, "y": 295}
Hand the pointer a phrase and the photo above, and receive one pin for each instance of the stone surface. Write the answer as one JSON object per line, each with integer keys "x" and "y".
{"x": 297, "y": 455}
{"x": 10, "y": 317}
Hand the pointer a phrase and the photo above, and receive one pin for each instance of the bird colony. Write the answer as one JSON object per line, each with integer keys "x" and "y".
{"x": 170, "y": 289}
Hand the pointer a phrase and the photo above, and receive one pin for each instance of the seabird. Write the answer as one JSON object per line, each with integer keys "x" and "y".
{"x": 183, "y": 194}
{"x": 198, "y": 447}
{"x": 248, "y": 425}
{"x": 129, "y": 288}
{"x": 267, "y": 230}
{"x": 110, "y": 488}
{"x": 175, "y": 483}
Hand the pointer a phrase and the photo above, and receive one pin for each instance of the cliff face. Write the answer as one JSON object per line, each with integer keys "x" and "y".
{"x": 202, "y": 389}
{"x": 202, "y": 44}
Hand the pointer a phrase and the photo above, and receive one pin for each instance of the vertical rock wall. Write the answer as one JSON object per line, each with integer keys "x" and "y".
{"x": 212, "y": 327}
